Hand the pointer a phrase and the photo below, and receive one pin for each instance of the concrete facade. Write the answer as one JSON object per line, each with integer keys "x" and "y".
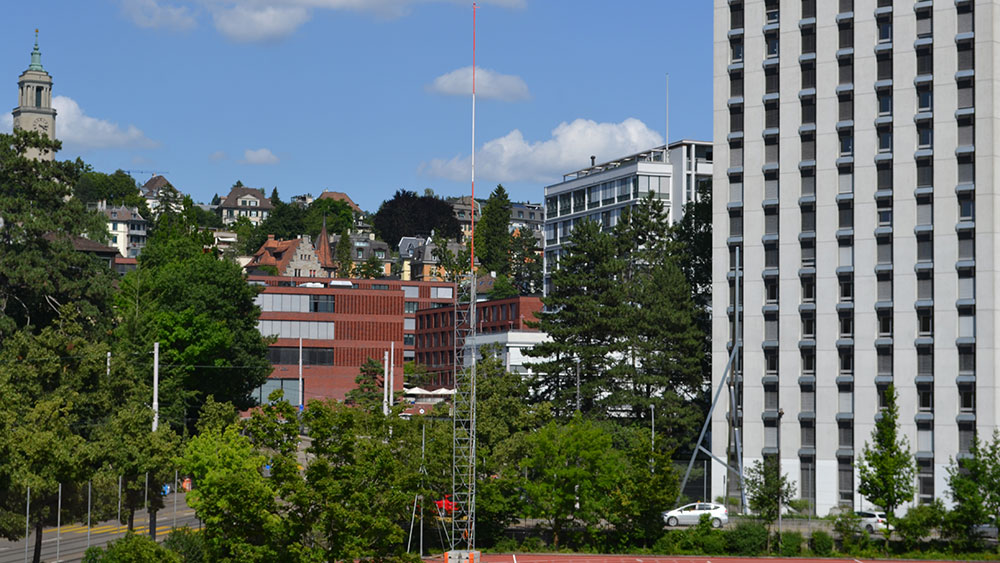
{"x": 857, "y": 146}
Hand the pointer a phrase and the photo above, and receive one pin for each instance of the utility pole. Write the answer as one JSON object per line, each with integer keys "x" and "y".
{"x": 300, "y": 375}
{"x": 781, "y": 413}
{"x": 385, "y": 384}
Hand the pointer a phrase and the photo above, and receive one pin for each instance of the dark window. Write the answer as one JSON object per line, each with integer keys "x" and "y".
{"x": 736, "y": 16}
{"x": 846, "y": 36}
{"x": 885, "y": 30}
{"x": 809, "y": 110}
{"x": 925, "y": 173}
{"x": 808, "y": 9}
{"x": 771, "y": 40}
{"x": 925, "y": 61}
{"x": 736, "y": 85}
{"x": 771, "y": 83}
{"x": 925, "y": 98}
{"x": 808, "y": 76}
{"x": 38, "y": 97}
{"x": 846, "y": 72}
{"x": 770, "y": 116}
{"x": 925, "y": 23}
{"x": 321, "y": 303}
{"x": 884, "y": 71}
{"x": 290, "y": 356}
{"x": 885, "y": 103}
{"x": 966, "y": 56}
{"x": 808, "y": 40}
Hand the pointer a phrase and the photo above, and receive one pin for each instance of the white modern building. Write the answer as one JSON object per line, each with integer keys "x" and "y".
{"x": 858, "y": 142}
{"x": 127, "y": 228}
{"x": 601, "y": 192}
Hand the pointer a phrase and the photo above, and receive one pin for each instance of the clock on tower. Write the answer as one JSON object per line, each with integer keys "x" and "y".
{"x": 34, "y": 111}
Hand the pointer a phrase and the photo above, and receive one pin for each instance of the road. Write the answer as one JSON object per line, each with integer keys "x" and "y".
{"x": 71, "y": 539}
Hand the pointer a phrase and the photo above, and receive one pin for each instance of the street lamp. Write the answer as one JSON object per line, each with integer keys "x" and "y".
{"x": 781, "y": 413}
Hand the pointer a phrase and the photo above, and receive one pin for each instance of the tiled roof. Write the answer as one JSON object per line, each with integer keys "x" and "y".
{"x": 323, "y": 251}
{"x": 233, "y": 199}
{"x": 153, "y": 186}
{"x": 340, "y": 196}
{"x": 277, "y": 253}
{"x": 122, "y": 214}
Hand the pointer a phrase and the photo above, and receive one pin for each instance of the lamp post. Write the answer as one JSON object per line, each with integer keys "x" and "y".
{"x": 781, "y": 413}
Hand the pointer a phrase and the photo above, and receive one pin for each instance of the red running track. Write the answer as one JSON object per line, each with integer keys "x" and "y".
{"x": 586, "y": 558}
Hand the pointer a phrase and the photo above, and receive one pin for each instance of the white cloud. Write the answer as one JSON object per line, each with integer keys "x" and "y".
{"x": 218, "y": 155}
{"x": 251, "y": 23}
{"x": 265, "y": 20}
{"x": 511, "y": 158}
{"x": 77, "y": 129}
{"x": 149, "y": 13}
{"x": 489, "y": 84}
{"x": 259, "y": 156}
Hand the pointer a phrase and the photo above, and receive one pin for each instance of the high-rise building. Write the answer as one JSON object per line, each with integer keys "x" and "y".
{"x": 857, "y": 142}
{"x": 34, "y": 110}
{"x": 672, "y": 173}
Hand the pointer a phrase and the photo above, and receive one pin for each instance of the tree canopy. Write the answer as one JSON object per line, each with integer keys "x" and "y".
{"x": 493, "y": 237}
{"x": 408, "y": 214}
{"x": 886, "y": 469}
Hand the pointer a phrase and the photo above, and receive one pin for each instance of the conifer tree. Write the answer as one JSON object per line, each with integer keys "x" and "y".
{"x": 345, "y": 266}
{"x": 493, "y": 238}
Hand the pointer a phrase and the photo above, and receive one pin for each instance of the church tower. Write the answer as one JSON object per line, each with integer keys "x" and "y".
{"x": 34, "y": 110}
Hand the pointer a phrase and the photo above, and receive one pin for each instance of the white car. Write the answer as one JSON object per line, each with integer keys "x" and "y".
{"x": 873, "y": 522}
{"x": 690, "y": 514}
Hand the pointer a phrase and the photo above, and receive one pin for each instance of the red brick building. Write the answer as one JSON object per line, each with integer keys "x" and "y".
{"x": 341, "y": 323}
{"x": 436, "y": 331}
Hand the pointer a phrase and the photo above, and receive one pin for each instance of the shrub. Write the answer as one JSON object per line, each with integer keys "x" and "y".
{"x": 791, "y": 544}
{"x": 821, "y": 543}
{"x": 747, "y": 538}
{"x": 918, "y": 523}
{"x": 132, "y": 548}
{"x": 187, "y": 543}
{"x": 667, "y": 543}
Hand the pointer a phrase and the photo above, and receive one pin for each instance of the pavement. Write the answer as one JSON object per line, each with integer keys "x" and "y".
{"x": 70, "y": 541}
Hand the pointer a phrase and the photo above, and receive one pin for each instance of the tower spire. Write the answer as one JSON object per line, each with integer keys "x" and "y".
{"x": 36, "y": 56}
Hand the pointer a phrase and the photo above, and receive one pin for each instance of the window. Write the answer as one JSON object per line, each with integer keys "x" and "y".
{"x": 966, "y": 56}
{"x": 925, "y": 438}
{"x": 966, "y": 247}
{"x": 967, "y": 360}
{"x": 883, "y": 69}
{"x": 884, "y": 363}
{"x": 966, "y": 207}
{"x": 925, "y": 288}
{"x": 808, "y": 182}
{"x": 771, "y": 83}
{"x": 845, "y": 435}
{"x": 846, "y": 291}
{"x": 808, "y": 9}
{"x": 966, "y": 94}
{"x": 846, "y": 73}
{"x": 884, "y": 211}
{"x": 925, "y": 23}
{"x": 281, "y": 355}
{"x": 808, "y": 399}
{"x": 770, "y": 290}
{"x": 925, "y": 322}
{"x": 770, "y": 398}
{"x": 771, "y": 365}
{"x": 808, "y": 110}
{"x": 770, "y": 116}
{"x": 808, "y": 76}
{"x": 735, "y": 120}
{"x": 966, "y": 21}
{"x": 808, "y": 147}
{"x": 845, "y": 217}
{"x": 925, "y": 61}
{"x": 885, "y": 139}
{"x": 736, "y": 50}
{"x": 770, "y": 327}
{"x": 925, "y": 213}
{"x": 845, "y": 180}
{"x": 846, "y": 6}
{"x": 408, "y": 340}
{"x": 966, "y": 434}
{"x": 925, "y": 135}
{"x": 925, "y": 480}
{"x": 846, "y": 325}
{"x": 808, "y": 255}
{"x": 925, "y": 173}
{"x": 736, "y": 16}
{"x": 38, "y": 97}
{"x": 845, "y": 400}
{"x": 884, "y": 289}
{"x": 966, "y": 324}
{"x": 845, "y": 108}
{"x": 883, "y": 252}
{"x": 808, "y": 40}
{"x": 846, "y": 144}
{"x": 808, "y": 326}
{"x": 771, "y": 40}
{"x": 321, "y": 303}
{"x": 845, "y": 255}
{"x": 885, "y": 325}
{"x": 846, "y": 363}
{"x": 966, "y": 286}
{"x": 808, "y": 434}
{"x": 808, "y": 362}
{"x": 885, "y": 30}
{"x": 846, "y": 36}
{"x": 967, "y": 399}
{"x": 966, "y": 132}
{"x": 925, "y": 398}
{"x": 771, "y": 13}
{"x": 808, "y": 290}
{"x": 885, "y": 103}
{"x": 771, "y": 256}
{"x": 966, "y": 170}
{"x": 410, "y": 307}
{"x": 845, "y": 481}
{"x": 808, "y": 219}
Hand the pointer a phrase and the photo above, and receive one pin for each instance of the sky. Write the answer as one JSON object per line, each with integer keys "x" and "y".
{"x": 363, "y": 96}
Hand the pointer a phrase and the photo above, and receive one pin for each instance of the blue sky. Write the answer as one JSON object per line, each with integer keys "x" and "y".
{"x": 363, "y": 96}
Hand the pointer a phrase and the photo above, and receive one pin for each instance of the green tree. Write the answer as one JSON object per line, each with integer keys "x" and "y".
{"x": 525, "y": 263}
{"x": 345, "y": 263}
{"x": 275, "y": 198}
{"x": 570, "y": 474}
{"x": 974, "y": 487}
{"x": 503, "y": 288}
{"x": 407, "y": 214}
{"x": 885, "y": 467}
{"x": 451, "y": 265}
{"x": 39, "y": 268}
{"x": 415, "y": 374}
{"x": 371, "y": 268}
{"x": 132, "y": 548}
{"x": 368, "y": 392}
{"x": 493, "y": 233}
{"x": 338, "y": 215}
{"x": 768, "y": 491}
{"x": 55, "y": 396}
{"x": 202, "y": 312}
{"x": 116, "y": 189}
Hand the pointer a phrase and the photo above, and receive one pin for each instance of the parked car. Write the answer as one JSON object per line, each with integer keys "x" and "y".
{"x": 873, "y": 522}
{"x": 690, "y": 514}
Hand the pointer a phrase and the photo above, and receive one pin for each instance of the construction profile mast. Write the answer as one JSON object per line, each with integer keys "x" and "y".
{"x": 463, "y": 470}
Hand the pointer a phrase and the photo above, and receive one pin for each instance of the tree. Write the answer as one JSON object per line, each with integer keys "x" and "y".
{"x": 503, "y": 288}
{"x": 525, "y": 263}
{"x": 408, "y": 214}
{"x": 493, "y": 233}
{"x": 337, "y": 214}
{"x": 570, "y": 473}
{"x": 115, "y": 189}
{"x": 451, "y": 266}
{"x": 39, "y": 268}
{"x": 132, "y": 548}
{"x": 767, "y": 491}
{"x": 275, "y": 198}
{"x": 202, "y": 312}
{"x": 345, "y": 264}
{"x": 371, "y": 268}
{"x": 885, "y": 467}
{"x": 55, "y": 396}
{"x": 974, "y": 483}
{"x": 368, "y": 393}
